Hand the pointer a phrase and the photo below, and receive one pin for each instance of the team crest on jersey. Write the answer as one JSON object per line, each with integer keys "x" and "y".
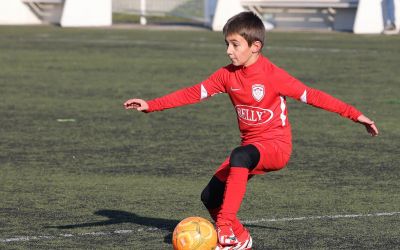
{"x": 258, "y": 92}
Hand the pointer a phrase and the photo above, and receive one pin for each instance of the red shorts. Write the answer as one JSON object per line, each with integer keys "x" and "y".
{"x": 274, "y": 155}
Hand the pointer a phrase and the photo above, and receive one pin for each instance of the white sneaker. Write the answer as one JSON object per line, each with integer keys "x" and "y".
{"x": 226, "y": 237}
{"x": 245, "y": 242}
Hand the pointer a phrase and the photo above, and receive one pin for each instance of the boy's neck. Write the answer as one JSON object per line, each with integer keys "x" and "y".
{"x": 252, "y": 60}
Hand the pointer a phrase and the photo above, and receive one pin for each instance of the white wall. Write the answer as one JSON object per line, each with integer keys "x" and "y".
{"x": 397, "y": 13}
{"x": 70, "y": 13}
{"x": 82, "y": 13}
{"x": 225, "y": 9}
{"x": 15, "y": 12}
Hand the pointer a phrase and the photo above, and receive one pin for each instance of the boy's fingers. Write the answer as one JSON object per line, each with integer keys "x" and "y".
{"x": 372, "y": 129}
{"x": 375, "y": 129}
{"x": 132, "y": 103}
{"x": 369, "y": 125}
{"x": 126, "y": 103}
{"x": 129, "y": 103}
{"x": 138, "y": 104}
{"x": 131, "y": 106}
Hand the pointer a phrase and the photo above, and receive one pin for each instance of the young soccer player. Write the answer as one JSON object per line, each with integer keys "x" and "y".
{"x": 258, "y": 90}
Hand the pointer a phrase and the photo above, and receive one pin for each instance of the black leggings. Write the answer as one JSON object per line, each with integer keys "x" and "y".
{"x": 244, "y": 156}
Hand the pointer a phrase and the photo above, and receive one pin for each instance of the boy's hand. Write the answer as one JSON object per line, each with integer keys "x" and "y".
{"x": 138, "y": 104}
{"x": 369, "y": 125}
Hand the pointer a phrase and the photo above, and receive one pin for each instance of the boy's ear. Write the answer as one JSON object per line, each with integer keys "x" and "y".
{"x": 256, "y": 47}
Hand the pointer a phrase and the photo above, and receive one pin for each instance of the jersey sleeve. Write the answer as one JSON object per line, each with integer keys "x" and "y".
{"x": 287, "y": 85}
{"x": 215, "y": 84}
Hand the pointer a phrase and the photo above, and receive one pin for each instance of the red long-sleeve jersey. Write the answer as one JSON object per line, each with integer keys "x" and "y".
{"x": 258, "y": 93}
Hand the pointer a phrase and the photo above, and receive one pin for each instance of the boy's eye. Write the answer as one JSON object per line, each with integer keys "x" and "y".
{"x": 234, "y": 45}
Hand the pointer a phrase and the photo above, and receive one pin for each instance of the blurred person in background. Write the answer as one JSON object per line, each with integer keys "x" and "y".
{"x": 390, "y": 17}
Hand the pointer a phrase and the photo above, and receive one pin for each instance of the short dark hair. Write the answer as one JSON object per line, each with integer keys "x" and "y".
{"x": 248, "y": 25}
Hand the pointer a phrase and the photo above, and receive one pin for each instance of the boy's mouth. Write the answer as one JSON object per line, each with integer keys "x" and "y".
{"x": 234, "y": 61}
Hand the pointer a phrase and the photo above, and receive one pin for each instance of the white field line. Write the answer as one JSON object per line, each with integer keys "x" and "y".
{"x": 50, "y": 237}
{"x": 246, "y": 222}
{"x": 339, "y": 216}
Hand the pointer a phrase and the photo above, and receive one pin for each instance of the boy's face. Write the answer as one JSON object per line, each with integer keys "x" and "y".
{"x": 239, "y": 51}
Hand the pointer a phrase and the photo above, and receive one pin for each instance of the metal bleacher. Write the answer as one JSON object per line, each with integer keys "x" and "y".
{"x": 306, "y": 14}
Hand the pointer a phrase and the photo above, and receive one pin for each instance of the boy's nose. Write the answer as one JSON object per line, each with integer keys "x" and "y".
{"x": 228, "y": 50}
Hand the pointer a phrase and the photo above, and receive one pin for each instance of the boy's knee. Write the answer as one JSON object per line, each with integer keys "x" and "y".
{"x": 245, "y": 156}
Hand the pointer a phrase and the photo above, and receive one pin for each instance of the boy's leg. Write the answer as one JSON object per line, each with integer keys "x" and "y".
{"x": 212, "y": 197}
{"x": 271, "y": 156}
{"x": 213, "y": 194}
{"x": 242, "y": 160}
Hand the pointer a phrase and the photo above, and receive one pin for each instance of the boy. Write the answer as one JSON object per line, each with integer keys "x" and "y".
{"x": 257, "y": 89}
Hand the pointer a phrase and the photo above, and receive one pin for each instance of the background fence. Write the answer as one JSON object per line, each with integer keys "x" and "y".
{"x": 190, "y": 9}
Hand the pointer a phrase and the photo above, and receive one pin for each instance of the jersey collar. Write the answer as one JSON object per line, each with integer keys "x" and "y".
{"x": 253, "y": 68}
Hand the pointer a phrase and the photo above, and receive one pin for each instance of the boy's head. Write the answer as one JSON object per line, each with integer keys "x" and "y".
{"x": 248, "y": 25}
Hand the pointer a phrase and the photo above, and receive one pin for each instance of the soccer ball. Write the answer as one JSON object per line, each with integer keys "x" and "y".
{"x": 194, "y": 233}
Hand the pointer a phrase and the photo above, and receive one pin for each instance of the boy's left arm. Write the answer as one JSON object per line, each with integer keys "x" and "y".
{"x": 290, "y": 86}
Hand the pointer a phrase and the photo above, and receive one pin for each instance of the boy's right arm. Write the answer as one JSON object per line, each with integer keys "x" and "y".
{"x": 189, "y": 95}
{"x": 175, "y": 99}
{"x": 178, "y": 98}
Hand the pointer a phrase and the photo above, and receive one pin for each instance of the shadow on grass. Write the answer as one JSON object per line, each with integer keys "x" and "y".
{"x": 119, "y": 217}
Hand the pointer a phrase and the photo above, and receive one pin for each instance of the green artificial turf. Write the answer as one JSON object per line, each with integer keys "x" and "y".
{"x": 78, "y": 171}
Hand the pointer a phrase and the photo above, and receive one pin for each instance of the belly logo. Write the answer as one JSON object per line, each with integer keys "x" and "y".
{"x": 258, "y": 91}
{"x": 253, "y": 115}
